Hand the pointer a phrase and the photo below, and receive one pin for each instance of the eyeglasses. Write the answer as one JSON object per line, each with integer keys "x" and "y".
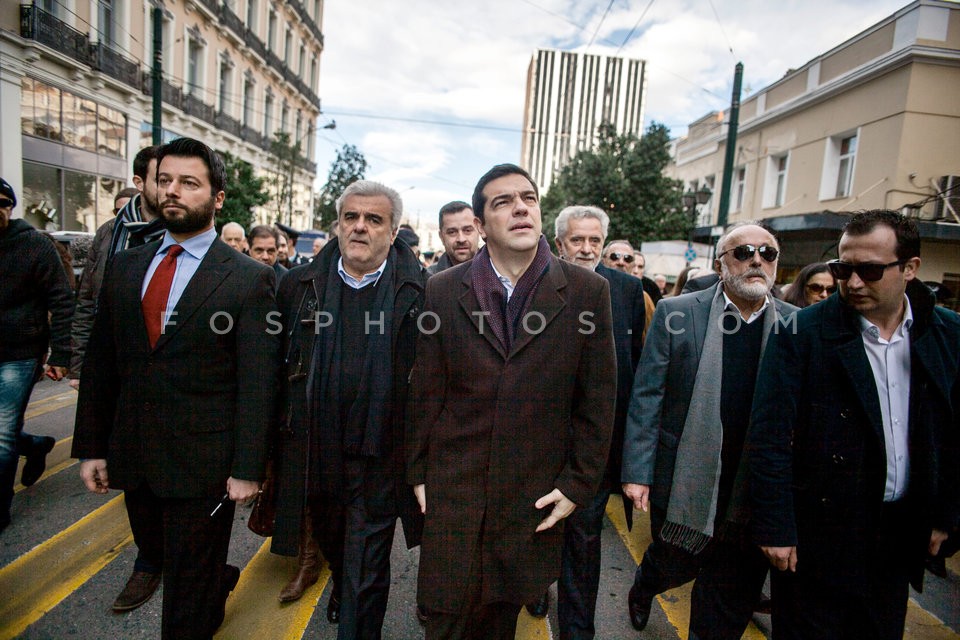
{"x": 745, "y": 252}
{"x": 868, "y": 271}
{"x": 5, "y": 203}
{"x": 817, "y": 288}
{"x": 626, "y": 257}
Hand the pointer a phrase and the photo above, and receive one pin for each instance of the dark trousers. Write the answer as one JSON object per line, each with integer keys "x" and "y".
{"x": 580, "y": 569}
{"x": 194, "y": 555}
{"x": 807, "y": 608}
{"x": 367, "y": 542}
{"x": 729, "y": 581}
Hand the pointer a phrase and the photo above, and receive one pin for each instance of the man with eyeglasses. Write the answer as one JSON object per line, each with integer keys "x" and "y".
{"x": 854, "y": 468}
{"x": 685, "y": 429}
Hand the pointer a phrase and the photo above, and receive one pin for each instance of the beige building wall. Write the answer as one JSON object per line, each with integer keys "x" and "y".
{"x": 229, "y": 112}
{"x": 896, "y": 87}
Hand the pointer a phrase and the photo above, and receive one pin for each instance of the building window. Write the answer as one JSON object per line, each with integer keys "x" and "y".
{"x": 40, "y": 110}
{"x": 248, "y": 88}
{"x": 271, "y": 31}
{"x": 848, "y": 154}
{"x": 284, "y": 114}
{"x": 739, "y": 187}
{"x": 299, "y": 129}
{"x": 316, "y": 11}
{"x": 301, "y": 62}
{"x": 79, "y": 122}
{"x": 287, "y": 40}
{"x": 226, "y": 84}
{"x": 56, "y": 199}
{"x": 194, "y": 67}
{"x": 111, "y": 132}
{"x": 267, "y": 113}
{"x": 775, "y": 185}
{"x": 839, "y": 163}
{"x": 252, "y": 15}
{"x": 313, "y": 74}
{"x": 105, "y": 21}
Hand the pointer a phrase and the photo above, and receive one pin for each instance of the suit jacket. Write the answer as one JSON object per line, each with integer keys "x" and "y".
{"x": 301, "y": 295}
{"x": 491, "y": 432}
{"x": 629, "y": 320}
{"x": 664, "y": 387}
{"x": 816, "y": 446}
{"x": 195, "y": 410}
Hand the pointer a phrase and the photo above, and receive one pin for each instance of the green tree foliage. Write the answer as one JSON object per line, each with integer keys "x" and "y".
{"x": 624, "y": 177}
{"x": 349, "y": 166}
{"x": 244, "y": 192}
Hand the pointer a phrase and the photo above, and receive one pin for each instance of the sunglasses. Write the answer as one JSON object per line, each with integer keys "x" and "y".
{"x": 626, "y": 257}
{"x": 745, "y": 252}
{"x": 817, "y": 288}
{"x": 868, "y": 271}
{"x": 5, "y": 203}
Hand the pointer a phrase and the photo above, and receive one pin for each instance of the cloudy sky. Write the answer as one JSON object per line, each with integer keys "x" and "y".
{"x": 432, "y": 91}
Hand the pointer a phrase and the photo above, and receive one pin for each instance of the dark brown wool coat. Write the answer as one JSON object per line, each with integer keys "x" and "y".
{"x": 492, "y": 432}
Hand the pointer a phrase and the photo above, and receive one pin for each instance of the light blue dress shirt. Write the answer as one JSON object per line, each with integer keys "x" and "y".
{"x": 194, "y": 249}
{"x": 353, "y": 283}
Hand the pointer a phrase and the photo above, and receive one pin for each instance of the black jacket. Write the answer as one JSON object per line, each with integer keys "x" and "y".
{"x": 34, "y": 285}
{"x": 816, "y": 445}
{"x": 300, "y": 295}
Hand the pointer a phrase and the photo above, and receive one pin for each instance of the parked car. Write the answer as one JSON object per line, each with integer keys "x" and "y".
{"x": 78, "y": 244}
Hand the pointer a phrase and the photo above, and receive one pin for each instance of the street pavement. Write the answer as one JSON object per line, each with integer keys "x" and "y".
{"x": 68, "y": 553}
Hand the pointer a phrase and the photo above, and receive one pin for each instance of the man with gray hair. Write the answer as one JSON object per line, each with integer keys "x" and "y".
{"x": 684, "y": 438}
{"x": 580, "y": 234}
{"x": 232, "y": 233}
{"x": 350, "y": 326}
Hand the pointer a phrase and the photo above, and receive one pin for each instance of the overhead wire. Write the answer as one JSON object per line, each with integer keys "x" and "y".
{"x": 722, "y": 30}
{"x": 599, "y": 24}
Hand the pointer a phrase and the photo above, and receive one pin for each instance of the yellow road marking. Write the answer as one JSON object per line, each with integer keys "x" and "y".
{"x": 530, "y": 628}
{"x": 676, "y": 602}
{"x": 39, "y": 580}
{"x": 46, "y": 405}
{"x": 57, "y": 460}
{"x": 923, "y": 625}
{"x": 253, "y": 610}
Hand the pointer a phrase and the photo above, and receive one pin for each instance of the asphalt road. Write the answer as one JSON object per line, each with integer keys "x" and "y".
{"x": 68, "y": 553}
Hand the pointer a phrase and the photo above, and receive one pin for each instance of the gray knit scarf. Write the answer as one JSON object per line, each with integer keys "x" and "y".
{"x": 692, "y": 510}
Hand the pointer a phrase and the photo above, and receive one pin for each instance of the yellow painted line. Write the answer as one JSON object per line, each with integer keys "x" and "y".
{"x": 39, "y": 580}
{"x": 676, "y": 602}
{"x": 53, "y": 403}
{"x": 253, "y": 610}
{"x": 923, "y": 625}
{"x": 57, "y": 460}
{"x": 953, "y": 563}
{"x": 530, "y": 628}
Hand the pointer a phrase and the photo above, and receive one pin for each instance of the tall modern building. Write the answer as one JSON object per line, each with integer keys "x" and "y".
{"x": 569, "y": 95}
{"x": 76, "y": 104}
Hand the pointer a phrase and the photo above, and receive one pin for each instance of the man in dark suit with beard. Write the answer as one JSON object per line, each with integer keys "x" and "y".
{"x": 165, "y": 408}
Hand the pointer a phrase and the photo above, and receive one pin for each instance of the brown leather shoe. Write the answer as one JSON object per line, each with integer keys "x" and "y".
{"x": 140, "y": 587}
{"x": 309, "y": 570}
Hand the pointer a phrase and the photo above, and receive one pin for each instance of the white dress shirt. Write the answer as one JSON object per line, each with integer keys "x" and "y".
{"x": 890, "y": 361}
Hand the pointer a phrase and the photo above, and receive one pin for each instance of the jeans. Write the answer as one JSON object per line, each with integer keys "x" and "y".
{"x": 16, "y": 382}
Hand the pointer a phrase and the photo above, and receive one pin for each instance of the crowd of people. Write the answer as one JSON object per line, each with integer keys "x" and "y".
{"x": 492, "y": 403}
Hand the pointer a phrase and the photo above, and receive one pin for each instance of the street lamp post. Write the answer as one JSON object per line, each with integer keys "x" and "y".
{"x": 693, "y": 200}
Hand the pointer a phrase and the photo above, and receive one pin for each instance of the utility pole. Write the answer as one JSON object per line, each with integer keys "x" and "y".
{"x": 731, "y": 147}
{"x": 156, "y": 75}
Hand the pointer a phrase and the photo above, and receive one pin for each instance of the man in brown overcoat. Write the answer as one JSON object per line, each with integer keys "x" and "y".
{"x": 512, "y": 401}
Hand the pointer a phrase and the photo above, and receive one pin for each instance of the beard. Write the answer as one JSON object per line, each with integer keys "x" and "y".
{"x": 751, "y": 291}
{"x": 186, "y": 219}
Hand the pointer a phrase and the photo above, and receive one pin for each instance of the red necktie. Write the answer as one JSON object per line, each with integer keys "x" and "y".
{"x": 154, "y": 301}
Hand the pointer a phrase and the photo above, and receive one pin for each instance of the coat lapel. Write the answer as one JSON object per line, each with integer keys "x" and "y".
{"x": 547, "y": 301}
{"x": 133, "y": 285}
{"x": 211, "y": 272}
{"x": 471, "y": 306}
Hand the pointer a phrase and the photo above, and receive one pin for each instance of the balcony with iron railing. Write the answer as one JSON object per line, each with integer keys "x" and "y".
{"x": 48, "y": 30}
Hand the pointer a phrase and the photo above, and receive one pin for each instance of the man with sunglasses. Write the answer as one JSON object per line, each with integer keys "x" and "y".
{"x": 620, "y": 255}
{"x": 854, "y": 468}
{"x": 684, "y": 436}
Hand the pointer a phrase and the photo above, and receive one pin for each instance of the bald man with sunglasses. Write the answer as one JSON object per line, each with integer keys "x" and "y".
{"x": 853, "y": 448}
{"x": 684, "y": 436}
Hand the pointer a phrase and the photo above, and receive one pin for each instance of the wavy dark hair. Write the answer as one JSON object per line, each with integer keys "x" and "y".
{"x": 797, "y": 293}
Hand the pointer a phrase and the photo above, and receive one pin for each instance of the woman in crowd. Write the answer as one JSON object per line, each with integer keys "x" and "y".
{"x": 813, "y": 284}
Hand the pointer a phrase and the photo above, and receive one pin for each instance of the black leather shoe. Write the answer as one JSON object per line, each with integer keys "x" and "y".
{"x": 333, "y": 610}
{"x": 540, "y": 608}
{"x": 140, "y": 586}
{"x": 231, "y": 575}
{"x": 639, "y": 609}
{"x": 36, "y": 461}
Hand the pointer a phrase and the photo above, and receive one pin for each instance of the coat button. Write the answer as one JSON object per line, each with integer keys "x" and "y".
{"x": 844, "y": 413}
{"x": 838, "y": 459}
